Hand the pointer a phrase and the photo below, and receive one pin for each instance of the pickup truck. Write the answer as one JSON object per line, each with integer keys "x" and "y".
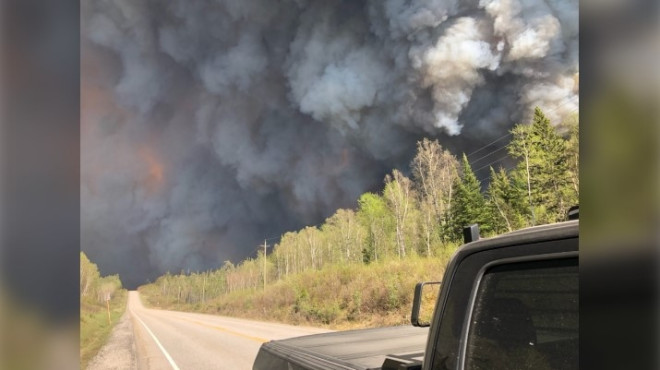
{"x": 507, "y": 302}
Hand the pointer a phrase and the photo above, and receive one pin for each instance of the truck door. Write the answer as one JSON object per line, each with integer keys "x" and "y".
{"x": 509, "y": 308}
{"x": 524, "y": 315}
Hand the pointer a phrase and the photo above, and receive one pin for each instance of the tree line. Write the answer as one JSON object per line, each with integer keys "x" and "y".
{"x": 102, "y": 302}
{"x": 94, "y": 288}
{"x": 422, "y": 215}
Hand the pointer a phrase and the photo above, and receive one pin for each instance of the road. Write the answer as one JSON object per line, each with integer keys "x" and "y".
{"x": 178, "y": 340}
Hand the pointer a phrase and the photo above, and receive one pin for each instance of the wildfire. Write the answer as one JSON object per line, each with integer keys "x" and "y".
{"x": 155, "y": 170}
{"x": 344, "y": 158}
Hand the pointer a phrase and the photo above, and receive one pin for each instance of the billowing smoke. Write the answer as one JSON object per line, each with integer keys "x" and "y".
{"x": 210, "y": 125}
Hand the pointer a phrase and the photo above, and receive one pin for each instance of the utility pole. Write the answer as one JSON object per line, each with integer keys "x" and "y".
{"x": 203, "y": 287}
{"x": 107, "y": 303}
{"x": 264, "y": 264}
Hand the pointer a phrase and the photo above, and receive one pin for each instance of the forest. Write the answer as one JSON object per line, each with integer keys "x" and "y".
{"x": 102, "y": 302}
{"x": 358, "y": 268}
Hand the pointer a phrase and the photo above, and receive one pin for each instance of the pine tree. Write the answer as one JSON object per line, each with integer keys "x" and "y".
{"x": 543, "y": 168}
{"x": 521, "y": 147}
{"x": 552, "y": 177}
{"x": 506, "y": 201}
{"x": 573, "y": 162}
{"x": 469, "y": 205}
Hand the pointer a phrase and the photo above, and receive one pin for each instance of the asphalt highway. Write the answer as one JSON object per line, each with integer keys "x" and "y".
{"x": 177, "y": 340}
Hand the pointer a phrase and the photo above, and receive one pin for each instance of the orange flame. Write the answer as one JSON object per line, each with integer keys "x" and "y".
{"x": 155, "y": 170}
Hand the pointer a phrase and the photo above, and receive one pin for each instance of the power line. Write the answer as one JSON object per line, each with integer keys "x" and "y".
{"x": 487, "y": 145}
{"x": 275, "y": 237}
{"x": 552, "y": 110}
{"x": 507, "y": 156}
{"x": 494, "y": 151}
{"x": 481, "y": 180}
{"x": 491, "y": 163}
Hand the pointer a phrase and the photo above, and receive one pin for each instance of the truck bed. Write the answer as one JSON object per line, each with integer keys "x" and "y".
{"x": 354, "y": 349}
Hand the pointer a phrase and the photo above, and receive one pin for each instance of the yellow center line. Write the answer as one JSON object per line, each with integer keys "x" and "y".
{"x": 225, "y": 330}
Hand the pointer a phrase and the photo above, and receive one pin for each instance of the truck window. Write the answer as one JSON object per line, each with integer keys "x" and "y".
{"x": 525, "y": 317}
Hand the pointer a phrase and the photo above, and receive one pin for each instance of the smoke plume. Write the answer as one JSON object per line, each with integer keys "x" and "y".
{"x": 210, "y": 125}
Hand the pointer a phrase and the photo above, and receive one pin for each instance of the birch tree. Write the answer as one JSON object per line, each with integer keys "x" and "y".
{"x": 400, "y": 196}
{"x": 434, "y": 170}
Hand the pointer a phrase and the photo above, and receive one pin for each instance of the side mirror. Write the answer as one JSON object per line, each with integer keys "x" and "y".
{"x": 424, "y": 303}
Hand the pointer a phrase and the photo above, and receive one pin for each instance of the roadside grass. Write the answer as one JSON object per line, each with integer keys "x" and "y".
{"x": 337, "y": 297}
{"x": 94, "y": 327}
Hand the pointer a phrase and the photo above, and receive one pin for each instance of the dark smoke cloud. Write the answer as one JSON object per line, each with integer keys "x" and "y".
{"x": 209, "y": 125}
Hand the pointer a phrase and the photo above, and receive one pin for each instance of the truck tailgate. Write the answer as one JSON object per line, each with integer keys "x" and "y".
{"x": 353, "y": 349}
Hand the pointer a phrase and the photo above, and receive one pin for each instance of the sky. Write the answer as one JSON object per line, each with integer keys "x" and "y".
{"x": 208, "y": 126}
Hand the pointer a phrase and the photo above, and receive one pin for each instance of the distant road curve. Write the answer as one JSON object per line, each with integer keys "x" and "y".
{"x": 187, "y": 341}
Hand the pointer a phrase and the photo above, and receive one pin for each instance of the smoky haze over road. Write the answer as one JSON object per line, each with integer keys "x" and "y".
{"x": 209, "y": 125}
{"x": 170, "y": 339}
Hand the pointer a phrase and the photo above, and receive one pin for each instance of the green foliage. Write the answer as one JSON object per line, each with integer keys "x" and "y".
{"x": 93, "y": 287}
{"x": 469, "y": 205}
{"x": 345, "y": 235}
{"x": 89, "y": 276}
{"x": 506, "y": 202}
{"x": 376, "y": 219}
{"x": 338, "y": 296}
{"x": 401, "y": 200}
{"x": 94, "y": 325}
{"x": 434, "y": 172}
{"x": 544, "y": 166}
{"x": 360, "y": 265}
{"x": 572, "y": 157}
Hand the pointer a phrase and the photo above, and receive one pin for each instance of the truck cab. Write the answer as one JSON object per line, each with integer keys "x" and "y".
{"x": 508, "y": 302}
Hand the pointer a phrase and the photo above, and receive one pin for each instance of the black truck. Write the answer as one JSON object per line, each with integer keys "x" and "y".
{"x": 508, "y": 302}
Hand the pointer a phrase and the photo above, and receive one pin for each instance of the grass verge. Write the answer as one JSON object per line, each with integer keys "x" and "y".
{"x": 336, "y": 297}
{"x": 94, "y": 327}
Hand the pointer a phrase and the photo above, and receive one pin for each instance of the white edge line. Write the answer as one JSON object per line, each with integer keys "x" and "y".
{"x": 167, "y": 355}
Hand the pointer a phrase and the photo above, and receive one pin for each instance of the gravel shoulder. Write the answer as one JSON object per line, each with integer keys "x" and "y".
{"x": 119, "y": 351}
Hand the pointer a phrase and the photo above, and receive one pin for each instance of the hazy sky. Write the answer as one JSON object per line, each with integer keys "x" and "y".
{"x": 210, "y": 125}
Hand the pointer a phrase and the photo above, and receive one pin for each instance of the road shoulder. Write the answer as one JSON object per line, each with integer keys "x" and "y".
{"x": 119, "y": 352}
